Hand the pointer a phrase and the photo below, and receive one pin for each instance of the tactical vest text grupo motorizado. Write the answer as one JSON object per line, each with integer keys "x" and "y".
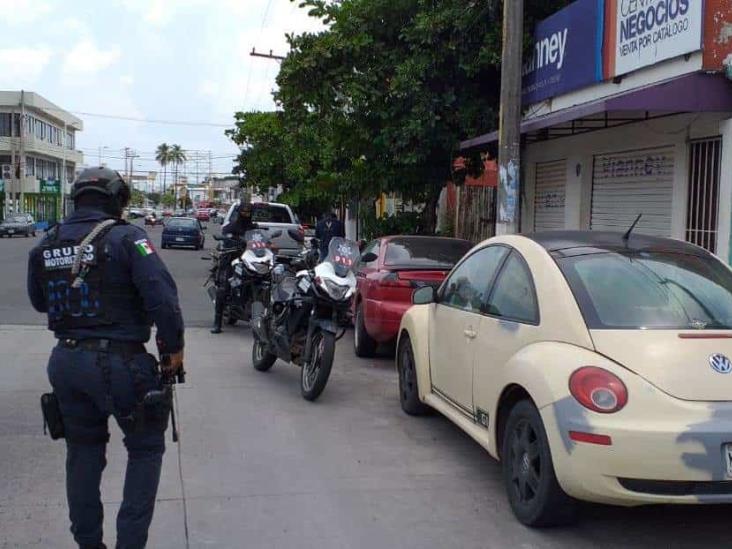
{"x": 95, "y": 300}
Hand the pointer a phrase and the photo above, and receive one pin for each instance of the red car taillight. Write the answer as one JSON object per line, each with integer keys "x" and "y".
{"x": 392, "y": 280}
{"x": 598, "y": 390}
{"x": 301, "y": 231}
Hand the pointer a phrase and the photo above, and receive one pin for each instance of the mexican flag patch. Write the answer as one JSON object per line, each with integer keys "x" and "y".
{"x": 144, "y": 247}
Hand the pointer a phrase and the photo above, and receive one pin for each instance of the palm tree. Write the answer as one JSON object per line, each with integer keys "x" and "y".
{"x": 177, "y": 157}
{"x": 162, "y": 155}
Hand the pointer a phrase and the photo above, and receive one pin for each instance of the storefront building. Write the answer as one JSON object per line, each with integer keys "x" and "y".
{"x": 629, "y": 111}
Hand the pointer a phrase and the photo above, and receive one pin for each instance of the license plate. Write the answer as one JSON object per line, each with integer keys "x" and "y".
{"x": 11, "y": 231}
{"x": 179, "y": 239}
{"x": 727, "y": 451}
{"x": 304, "y": 285}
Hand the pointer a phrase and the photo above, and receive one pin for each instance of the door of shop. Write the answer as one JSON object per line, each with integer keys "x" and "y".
{"x": 549, "y": 195}
{"x": 702, "y": 207}
{"x": 626, "y": 184}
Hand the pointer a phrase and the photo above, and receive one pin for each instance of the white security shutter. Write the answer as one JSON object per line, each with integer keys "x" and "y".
{"x": 549, "y": 193}
{"x": 631, "y": 183}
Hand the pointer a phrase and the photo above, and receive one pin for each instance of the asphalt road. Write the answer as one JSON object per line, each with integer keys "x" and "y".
{"x": 259, "y": 467}
{"x": 189, "y": 271}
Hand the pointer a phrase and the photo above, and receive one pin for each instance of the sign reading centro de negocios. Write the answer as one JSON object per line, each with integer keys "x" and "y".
{"x": 648, "y": 31}
{"x": 567, "y": 52}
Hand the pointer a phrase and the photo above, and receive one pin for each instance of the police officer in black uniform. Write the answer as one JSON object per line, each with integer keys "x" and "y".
{"x": 233, "y": 232}
{"x": 102, "y": 286}
{"x": 326, "y": 229}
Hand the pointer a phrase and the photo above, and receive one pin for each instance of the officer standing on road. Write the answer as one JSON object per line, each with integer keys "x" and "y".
{"x": 102, "y": 285}
{"x": 327, "y": 228}
{"x": 238, "y": 225}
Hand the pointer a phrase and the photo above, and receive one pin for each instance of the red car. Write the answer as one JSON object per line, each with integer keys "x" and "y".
{"x": 203, "y": 214}
{"x": 391, "y": 269}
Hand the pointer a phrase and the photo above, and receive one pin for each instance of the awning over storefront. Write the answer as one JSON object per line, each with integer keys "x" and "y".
{"x": 697, "y": 92}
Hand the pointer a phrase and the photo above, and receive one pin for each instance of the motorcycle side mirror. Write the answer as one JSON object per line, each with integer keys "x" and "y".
{"x": 369, "y": 257}
{"x": 276, "y": 234}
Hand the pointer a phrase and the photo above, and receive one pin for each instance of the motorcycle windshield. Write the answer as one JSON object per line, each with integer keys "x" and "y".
{"x": 343, "y": 254}
{"x": 257, "y": 242}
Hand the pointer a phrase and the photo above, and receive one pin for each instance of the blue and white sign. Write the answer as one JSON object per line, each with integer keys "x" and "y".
{"x": 567, "y": 52}
{"x": 649, "y": 31}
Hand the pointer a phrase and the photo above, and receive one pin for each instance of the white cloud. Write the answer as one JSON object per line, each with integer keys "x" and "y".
{"x": 19, "y": 12}
{"x": 127, "y": 80}
{"x": 22, "y": 67}
{"x": 85, "y": 58}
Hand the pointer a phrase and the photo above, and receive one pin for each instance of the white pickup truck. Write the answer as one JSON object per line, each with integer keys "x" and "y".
{"x": 273, "y": 216}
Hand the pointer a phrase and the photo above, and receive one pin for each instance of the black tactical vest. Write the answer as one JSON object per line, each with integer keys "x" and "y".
{"x": 96, "y": 301}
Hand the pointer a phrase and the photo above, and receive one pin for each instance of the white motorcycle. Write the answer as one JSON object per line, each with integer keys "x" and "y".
{"x": 306, "y": 314}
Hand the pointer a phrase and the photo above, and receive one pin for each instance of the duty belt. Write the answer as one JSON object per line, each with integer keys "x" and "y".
{"x": 104, "y": 346}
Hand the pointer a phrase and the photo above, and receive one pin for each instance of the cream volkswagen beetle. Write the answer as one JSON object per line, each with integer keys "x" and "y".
{"x": 594, "y": 366}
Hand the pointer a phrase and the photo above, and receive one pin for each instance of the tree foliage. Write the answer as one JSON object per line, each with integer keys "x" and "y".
{"x": 380, "y": 99}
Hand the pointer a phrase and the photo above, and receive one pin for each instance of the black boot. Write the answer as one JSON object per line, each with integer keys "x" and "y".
{"x": 216, "y": 329}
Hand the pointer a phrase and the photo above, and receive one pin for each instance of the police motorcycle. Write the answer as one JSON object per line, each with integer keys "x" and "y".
{"x": 244, "y": 270}
{"x": 307, "y": 312}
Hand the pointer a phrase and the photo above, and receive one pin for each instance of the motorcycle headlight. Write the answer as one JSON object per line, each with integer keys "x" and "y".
{"x": 336, "y": 291}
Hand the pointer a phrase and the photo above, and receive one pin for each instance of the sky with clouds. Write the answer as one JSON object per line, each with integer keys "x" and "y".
{"x": 176, "y": 60}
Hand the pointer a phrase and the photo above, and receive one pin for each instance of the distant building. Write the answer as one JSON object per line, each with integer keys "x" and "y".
{"x": 38, "y": 157}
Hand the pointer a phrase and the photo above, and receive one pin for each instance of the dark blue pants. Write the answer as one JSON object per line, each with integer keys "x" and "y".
{"x": 79, "y": 383}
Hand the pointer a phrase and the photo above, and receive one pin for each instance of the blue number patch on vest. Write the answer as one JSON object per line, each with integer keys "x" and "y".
{"x": 63, "y": 300}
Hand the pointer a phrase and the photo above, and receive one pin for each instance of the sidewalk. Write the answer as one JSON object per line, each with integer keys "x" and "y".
{"x": 262, "y": 468}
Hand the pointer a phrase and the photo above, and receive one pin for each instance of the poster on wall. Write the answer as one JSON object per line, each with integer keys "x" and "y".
{"x": 645, "y": 32}
{"x": 567, "y": 52}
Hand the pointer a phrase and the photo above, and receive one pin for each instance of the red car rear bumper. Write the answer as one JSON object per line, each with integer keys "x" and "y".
{"x": 383, "y": 319}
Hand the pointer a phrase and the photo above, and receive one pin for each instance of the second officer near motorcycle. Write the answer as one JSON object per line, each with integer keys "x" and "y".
{"x": 233, "y": 231}
{"x": 102, "y": 286}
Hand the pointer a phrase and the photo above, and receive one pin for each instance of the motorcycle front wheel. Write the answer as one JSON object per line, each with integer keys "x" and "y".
{"x": 316, "y": 371}
{"x": 262, "y": 359}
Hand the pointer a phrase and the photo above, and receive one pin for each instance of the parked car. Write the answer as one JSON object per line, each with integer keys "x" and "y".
{"x": 202, "y": 214}
{"x": 594, "y": 365}
{"x": 168, "y": 213}
{"x": 135, "y": 213}
{"x": 390, "y": 270}
{"x": 271, "y": 216}
{"x": 154, "y": 219}
{"x": 17, "y": 225}
{"x": 183, "y": 231}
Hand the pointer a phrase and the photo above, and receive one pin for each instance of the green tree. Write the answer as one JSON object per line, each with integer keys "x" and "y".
{"x": 380, "y": 99}
{"x": 167, "y": 199}
{"x": 137, "y": 198}
{"x": 177, "y": 157}
{"x": 154, "y": 198}
{"x": 162, "y": 155}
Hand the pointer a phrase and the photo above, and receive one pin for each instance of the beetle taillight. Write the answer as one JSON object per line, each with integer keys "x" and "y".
{"x": 598, "y": 390}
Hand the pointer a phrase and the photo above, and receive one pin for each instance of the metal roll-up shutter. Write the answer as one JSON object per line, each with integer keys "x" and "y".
{"x": 630, "y": 183}
{"x": 549, "y": 194}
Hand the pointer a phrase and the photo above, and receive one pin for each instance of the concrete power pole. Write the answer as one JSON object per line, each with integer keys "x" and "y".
{"x": 21, "y": 160}
{"x": 509, "y": 140}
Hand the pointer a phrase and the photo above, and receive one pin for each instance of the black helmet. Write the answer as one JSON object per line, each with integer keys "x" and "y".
{"x": 105, "y": 181}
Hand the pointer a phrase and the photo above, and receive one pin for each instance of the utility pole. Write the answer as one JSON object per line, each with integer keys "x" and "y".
{"x": 21, "y": 160}
{"x": 509, "y": 140}
{"x": 270, "y": 55}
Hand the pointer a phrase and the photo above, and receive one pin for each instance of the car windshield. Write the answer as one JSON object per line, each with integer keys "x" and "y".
{"x": 428, "y": 253}
{"x": 17, "y": 219}
{"x": 270, "y": 214}
{"x": 650, "y": 290}
{"x": 182, "y": 223}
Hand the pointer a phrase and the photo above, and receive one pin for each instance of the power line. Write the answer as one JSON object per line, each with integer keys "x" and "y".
{"x": 144, "y": 120}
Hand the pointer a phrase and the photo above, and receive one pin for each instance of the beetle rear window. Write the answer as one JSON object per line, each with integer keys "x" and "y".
{"x": 650, "y": 290}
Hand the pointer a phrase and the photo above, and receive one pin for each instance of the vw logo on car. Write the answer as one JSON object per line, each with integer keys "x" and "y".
{"x": 720, "y": 364}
